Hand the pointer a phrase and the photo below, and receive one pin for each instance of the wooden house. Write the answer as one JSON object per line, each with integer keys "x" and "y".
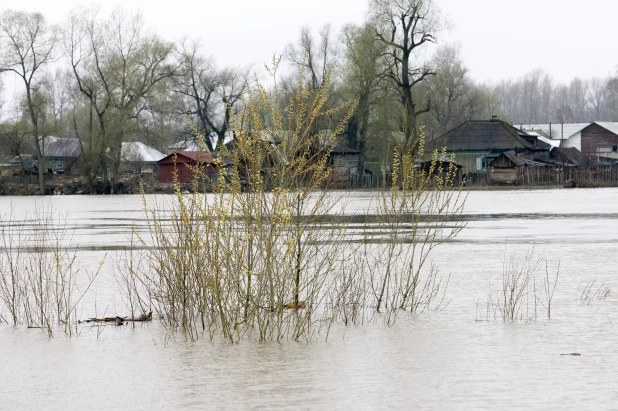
{"x": 61, "y": 154}
{"x": 477, "y": 143}
{"x": 345, "y": 165}
{"x": 597, "y": 141}
{"x": 509, "y": 167}
{"x": 185, "y": 164}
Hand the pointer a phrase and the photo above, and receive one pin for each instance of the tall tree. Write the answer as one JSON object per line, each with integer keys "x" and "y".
{"x": 597, "y": 93}
{"x": 209, "y": 93}
{"x": 406, "y": 27}
{"x": 27, "y": 46}
{"x": 116, "y": 64}
{"x": 449, "y": 89}
{"x": 315, "y": 57}
{"x": 361, "y": 70}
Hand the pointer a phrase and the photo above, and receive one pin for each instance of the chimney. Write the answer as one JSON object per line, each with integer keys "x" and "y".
{"x": 494, "y": 117}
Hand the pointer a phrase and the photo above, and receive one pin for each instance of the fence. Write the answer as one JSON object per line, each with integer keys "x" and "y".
{"x": 594, "y": 176}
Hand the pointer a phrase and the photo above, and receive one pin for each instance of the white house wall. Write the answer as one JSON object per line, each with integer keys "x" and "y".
{"x": 574, "y": 141}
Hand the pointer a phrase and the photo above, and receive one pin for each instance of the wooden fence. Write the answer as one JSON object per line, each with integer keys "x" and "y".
{"x": 596, "y": 176}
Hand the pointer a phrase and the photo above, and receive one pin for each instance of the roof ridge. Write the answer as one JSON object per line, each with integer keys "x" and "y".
{"x": 515, "y": 135}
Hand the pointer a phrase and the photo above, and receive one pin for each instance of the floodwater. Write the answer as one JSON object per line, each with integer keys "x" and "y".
{"x": 436, "y": 360}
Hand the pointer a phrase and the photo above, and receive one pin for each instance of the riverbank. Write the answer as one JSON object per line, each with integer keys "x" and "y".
{"x": 64, "y": 185}
{"x": 61, "y": 185}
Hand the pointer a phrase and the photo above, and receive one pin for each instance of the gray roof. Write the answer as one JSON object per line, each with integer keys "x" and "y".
{"x": 484, "y": 135}
{"x": 63, "y": 147}
{"x": 570, "y": 155}
{"x": 560, "y": 131}
{"x": 518, "y": 160}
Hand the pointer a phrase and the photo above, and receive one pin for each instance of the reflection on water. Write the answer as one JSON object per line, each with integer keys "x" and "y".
{"x": 437, "y": 360}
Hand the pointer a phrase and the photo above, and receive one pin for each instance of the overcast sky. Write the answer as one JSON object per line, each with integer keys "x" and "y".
{"x": 500, "y": 39}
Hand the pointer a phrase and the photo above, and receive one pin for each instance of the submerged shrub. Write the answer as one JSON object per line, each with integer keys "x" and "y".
{"x": 264, "y": 256}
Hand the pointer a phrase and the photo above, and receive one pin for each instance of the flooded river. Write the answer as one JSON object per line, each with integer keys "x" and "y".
{"x": 436, "y": 360}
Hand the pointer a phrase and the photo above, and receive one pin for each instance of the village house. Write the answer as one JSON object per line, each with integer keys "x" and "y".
{"x": 477, "y": 143}
{"x": 61, "y": 154}
{"x": 138, "y": 158}
{"x": 597, "y": 141}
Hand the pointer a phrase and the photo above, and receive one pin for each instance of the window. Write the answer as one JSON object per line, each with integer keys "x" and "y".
{"x": 614, "y": 148}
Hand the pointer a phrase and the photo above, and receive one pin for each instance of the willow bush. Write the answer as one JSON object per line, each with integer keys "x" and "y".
{"x": 264, "y": 255}
{"x": 416, "y": 215}
{"x": 40, "y": 281}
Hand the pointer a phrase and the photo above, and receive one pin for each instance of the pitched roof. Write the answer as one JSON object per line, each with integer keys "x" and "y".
{"x": 63, "y": 147}
{"x": 567, "y": 155}
{"x": 198, "y": 156}
{"x": 559, "y": 131}
{"x": 482, "y": 135}
{"x": 613, "y": 127}
{"x": 136, "y": 151}
{"x": 195, "y": 156}
{"x": 518, "y": 160}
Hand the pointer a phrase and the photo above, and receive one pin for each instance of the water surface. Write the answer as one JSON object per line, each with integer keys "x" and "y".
{"x": 436, "y": 360}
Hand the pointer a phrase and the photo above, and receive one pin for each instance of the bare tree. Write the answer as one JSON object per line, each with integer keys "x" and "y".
{"x": 209, "y": 93}
{"x": 564, "y": 111}
{"x": 26, "y": 46}
{"x": 1, "y": 94}
{"x": 116, "y": 63}
{"x": 316, "y": 57}
{"x": 597, "y": 93}
{"x": 407, "y": 27}
{"x": 578, "y": 90}
{"x": 83, "y": 42}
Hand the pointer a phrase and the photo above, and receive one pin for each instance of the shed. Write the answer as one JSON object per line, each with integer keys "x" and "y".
{"x": 186, "y": 163}
{"x": 345, "y": 164}
{"x": 507, "y": 167}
